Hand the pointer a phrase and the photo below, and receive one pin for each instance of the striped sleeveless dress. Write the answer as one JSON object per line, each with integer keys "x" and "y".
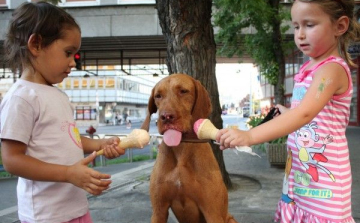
{"x": 317, "y": 181}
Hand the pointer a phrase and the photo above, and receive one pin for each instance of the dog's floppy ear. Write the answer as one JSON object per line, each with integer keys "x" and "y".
{"x": 202, "y": 105}
{"x": 151, "y": 109}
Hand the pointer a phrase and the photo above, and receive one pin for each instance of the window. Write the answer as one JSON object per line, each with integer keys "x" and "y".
{"x": 92, "y": 83}
{"x": 60, "y": 85}
{"x": 78, "y": 3}
{"x": 67, "y": 84}
{"x": 75, "y": 83}
{"x": 85, "y": 113}
{"x": 126, "y": 2}
{"x": 84, "y": 83}
{"x": 100, "y": 83}
{"x": 110, "y": 83}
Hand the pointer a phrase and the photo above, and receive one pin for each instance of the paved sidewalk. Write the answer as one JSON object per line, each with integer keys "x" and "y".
{"x": 257, "y": 188}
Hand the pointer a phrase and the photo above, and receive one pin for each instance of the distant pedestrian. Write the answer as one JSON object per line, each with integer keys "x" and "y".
{"x": 40, "y": 142}
{"x": 125, "y": 115}
{"x": 317, "y": 184}
{"x": 128, "y": 124}
{"x": 118, "y": 118}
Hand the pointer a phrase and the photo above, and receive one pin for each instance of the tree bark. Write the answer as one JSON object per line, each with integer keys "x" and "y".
{"x": 191, "y": 49}
{"x": 279, "y": 88}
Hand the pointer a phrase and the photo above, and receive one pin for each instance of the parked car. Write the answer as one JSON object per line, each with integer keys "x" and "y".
{"x": 246, "y": 112}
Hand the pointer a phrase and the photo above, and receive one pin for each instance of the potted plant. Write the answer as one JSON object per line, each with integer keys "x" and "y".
{"x": 276, "y": 150}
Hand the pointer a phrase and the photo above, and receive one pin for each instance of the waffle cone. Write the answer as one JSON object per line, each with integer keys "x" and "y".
{"x": 138, "y": 138}
{"x": 207, "y": 130}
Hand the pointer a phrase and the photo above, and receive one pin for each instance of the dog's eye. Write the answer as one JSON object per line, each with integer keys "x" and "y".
{"x": 158, "y": 96}
{"x": 184, "y": 91}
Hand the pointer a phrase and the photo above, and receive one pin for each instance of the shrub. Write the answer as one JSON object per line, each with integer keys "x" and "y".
{"x": 256, "y": 119}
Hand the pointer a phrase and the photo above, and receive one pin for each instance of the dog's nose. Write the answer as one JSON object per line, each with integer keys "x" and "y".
{"x": 167, "y": 117}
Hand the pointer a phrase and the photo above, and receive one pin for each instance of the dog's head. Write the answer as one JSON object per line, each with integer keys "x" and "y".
{"x": 180, "y": 100}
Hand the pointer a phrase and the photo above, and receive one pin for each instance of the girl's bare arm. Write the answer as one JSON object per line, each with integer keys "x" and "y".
{"x": 18, "y": 163}
{"x": 329, "y": 80}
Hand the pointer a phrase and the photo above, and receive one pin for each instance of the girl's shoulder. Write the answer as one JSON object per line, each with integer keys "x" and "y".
{"x": 334, "y": 64}
{"x": 312, "y": 65}
{"x": 331, "y": 63}
{"x": 331, "y": 59}
{"x": 23, "y": 90}
{"x": 30, "y": 90}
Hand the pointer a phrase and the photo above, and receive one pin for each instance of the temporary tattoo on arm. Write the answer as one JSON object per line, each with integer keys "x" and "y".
{"x": 324, "y": 83}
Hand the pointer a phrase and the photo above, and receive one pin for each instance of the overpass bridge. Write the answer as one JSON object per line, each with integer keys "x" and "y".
{"x": 119, "y": 37}
{"x": 114, "y": 33}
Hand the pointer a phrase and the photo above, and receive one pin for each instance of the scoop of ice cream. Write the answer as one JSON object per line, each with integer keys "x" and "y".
{"x": 172, "y": 137}
{"x": 197, "y": 125}
{"x": 205, "y": 129}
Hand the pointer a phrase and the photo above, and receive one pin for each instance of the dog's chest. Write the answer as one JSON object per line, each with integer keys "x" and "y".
{"x": 179, "y": 176}
{"x": 182, "y": 168}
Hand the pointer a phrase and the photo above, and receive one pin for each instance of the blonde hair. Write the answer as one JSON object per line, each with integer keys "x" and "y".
{"x": 335, "y": 9}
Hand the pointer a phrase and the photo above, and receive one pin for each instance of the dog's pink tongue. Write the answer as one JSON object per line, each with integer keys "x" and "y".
{"x": 172, "y": 137}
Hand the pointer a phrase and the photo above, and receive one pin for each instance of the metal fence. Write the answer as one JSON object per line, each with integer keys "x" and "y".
{"x": 149, "y": 150}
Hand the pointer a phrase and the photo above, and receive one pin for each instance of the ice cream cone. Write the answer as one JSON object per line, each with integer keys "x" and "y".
{"x": 136, "y": 139}
{"x": 205, "y": 129}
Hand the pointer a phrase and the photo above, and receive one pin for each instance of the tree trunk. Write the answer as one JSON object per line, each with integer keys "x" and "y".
{"x": 191, "y": 49}
{"x": 277, "y": 40}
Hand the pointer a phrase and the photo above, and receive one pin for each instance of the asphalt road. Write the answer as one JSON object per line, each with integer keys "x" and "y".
{"x": 8, "y": 202}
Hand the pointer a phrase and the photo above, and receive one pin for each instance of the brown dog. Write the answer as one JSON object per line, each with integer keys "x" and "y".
{"x": 186, "y": 176}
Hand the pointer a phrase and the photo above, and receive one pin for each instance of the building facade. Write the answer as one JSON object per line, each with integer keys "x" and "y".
{"x": 109, "y": 98}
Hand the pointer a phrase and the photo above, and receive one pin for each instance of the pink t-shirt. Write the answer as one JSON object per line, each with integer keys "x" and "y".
{"x": 41, "y": 117}
{"x": 317, "y": 182}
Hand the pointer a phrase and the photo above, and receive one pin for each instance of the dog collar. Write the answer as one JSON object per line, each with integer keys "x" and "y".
{"x": 196, "y": 140}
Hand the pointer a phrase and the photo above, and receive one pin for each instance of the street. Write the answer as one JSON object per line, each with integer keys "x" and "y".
{"x": 8, "y": 201}
{"x": 121, "y": 129}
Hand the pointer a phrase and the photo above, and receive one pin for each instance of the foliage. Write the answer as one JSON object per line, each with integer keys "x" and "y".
{"x": 136, "y": 158}
{"x": 256, "y": 119}
{"x": 3, "y": 174}
{"x": 255, "y": 28}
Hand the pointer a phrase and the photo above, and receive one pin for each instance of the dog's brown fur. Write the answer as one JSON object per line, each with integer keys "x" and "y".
{"x": 185, "y": 178}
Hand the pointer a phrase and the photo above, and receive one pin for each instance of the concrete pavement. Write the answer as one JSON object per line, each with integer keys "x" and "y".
{"x": 257, "y": 188}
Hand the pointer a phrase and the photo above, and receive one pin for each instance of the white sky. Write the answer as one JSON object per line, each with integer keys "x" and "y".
{"x": 234, "y": 81}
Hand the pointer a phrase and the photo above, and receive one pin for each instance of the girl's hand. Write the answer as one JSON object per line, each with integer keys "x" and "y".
{"x": 111, "y": 148}
{"x": 86, "y": 178}
{"x": 230, "y": 138}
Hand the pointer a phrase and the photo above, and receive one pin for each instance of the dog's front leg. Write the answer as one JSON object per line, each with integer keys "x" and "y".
{"x": 160, "y": 215}
{"x": 159, "y": 199}
{"x": 216, "y": 192}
